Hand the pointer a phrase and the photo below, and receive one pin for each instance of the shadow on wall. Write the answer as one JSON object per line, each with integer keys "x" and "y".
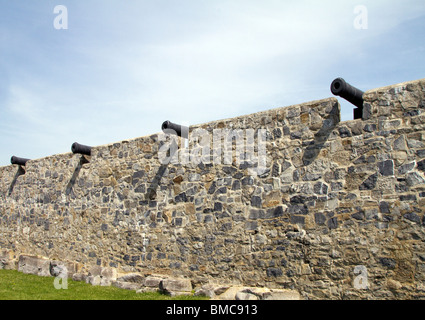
{"x": 20, "y": 172}
{"x": 151, "y": 192}
{"x": 74, "y": 177}
{"x": 320, "y": 138}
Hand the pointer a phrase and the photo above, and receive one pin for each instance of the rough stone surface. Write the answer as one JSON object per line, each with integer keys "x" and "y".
{"x": 175, "y": 286}
{"x": 331, "y": 196}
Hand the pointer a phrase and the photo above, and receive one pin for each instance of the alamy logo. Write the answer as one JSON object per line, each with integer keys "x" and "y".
{"x": 361, "y": 20}
{"x": 222, "y": 146}
{"x": 60, "y": 272}
{"x": 361, "y": 281}
{"x": 61, "y": 20}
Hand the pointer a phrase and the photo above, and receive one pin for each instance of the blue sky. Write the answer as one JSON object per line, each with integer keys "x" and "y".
{"x": 123, "y": 67}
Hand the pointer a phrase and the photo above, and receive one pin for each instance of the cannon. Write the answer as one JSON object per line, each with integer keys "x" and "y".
{"x": 340, "y": 87}
{"x": 181, "y": 131}
{"x": 18, "y": 161}
{"x": 81, "y": 149}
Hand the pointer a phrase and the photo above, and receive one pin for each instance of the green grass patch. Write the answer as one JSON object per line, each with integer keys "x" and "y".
{"x": 16, "y": 285}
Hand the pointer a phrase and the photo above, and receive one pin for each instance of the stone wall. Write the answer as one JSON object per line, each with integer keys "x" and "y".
{"x": 338, "y": 212}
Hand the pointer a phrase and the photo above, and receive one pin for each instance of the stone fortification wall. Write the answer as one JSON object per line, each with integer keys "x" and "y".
{"x": 331, "y": 209}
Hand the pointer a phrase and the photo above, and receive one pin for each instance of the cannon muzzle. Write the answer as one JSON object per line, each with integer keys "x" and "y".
{"x": 181, "y": 131}
{"x": 340, "y": 87}
{"x": 18, "y": 161}
{"x": 81, "y": 149}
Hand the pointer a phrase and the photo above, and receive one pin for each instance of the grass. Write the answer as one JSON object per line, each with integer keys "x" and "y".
{"x": 15, "y": 285}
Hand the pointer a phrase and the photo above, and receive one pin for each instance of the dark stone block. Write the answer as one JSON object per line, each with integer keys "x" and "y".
{"x": 384, "y": 207}
{"x": 229, "y": 170}
{"x": 222, "y": 190}
{"x": 236, "y": 185}
{"x": 298, "y": 199}
{"x": 218, "y": 206}
{"x": 140, "y": 189}
{"x": 388, "y": 262}
{"x": 386, "y": 168}
{"x": 256, "y": 201}
{"x": 412, "y": 217}
{"x": 256, "y": 214}
{"x": 181, "y": 197}
{"x": 406, "y": 168}
{"x": 226, "y": 227}
{"x": 333, "y": 223}
{"x": 320, "y": 218}
{"x": 274, "y": 213}
{"x": 275, "y": 170}
{"x": 274, "y": 272}
{"x": 344, "y": 132}
{"x": 421, "y": 165}
{"x": 193, "y": 267}
{"x": 251, "y": 225}
{"x": 277, "y": 133}
{"x": 175, "y": 265}
{"x": 358, "y": 215}
{"x": 208, "y": 218}
{"x": 297, "y": 219}
{"x": 138, "y": 174}
{"x": 298, "y": 209}
{"x": 211, "y": 190}
{"x": 369, "y": 183}
{"x": 320, "y": 188}
{"x": 247, "y": 181}
{"x": 178, "y": 222}
{"x": 238, "y": 175}
{"x": 408, "y": 197}
{"x": 369, "y": 127}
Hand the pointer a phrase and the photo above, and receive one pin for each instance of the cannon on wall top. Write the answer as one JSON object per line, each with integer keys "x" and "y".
{"x": 340, "y": 87}
{"x": 81, "y": 149}
{"x": 181, "y": 131}
{"x": 18, "y": 161}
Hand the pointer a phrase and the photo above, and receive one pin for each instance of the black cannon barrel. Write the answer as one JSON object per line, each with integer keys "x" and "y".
{"x": 81, "y": 149}
{"x": 181, "y": 131}
{"x": 340, "y": 87}
{"x": 19, "y": 161}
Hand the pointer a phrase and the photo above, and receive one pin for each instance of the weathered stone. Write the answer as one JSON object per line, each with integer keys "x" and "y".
{"x": 245, "y": 296}
{"x": 333, "y": 223}
{"x": 406, "y": 168}
{"x": 79, "y": 277}
{"x": 414, "y": 178}
{"x": 400, "y": 144}
{"x": 169, "y": 286}
{"x": 274, "y": 272}
{"x": 386, "y": 168}
{"x": 388, "y": 262}
{"x": 34, "y": 265}
{"x": 230, "y": 293}
{"x": 256, "y": 201}
{"x": 275, "y": 294}
{"x": 94, "y": 280}
{"x": 152, "y": 281}
{"x": 412, "y": 217}
{"x": 127, "y": 285}
{"x": 320, "y": 218}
